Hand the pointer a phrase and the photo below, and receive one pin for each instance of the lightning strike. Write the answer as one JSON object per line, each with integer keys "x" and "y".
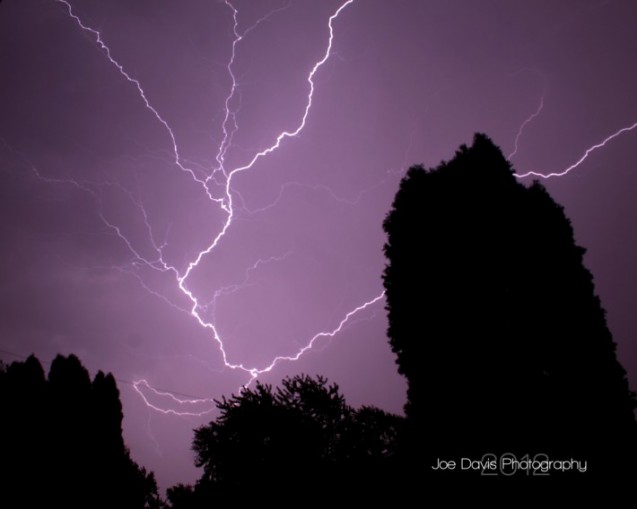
{"x": 531, "y": 117}
{"x": 329, "y": 334}
{"x": 229, "y": 127}
{"x": 234, "y": 288}
{"x": 139, "y": 384}
{"x": 313, "y": 187}
{"x": 308, "y": 105}
{"x": 106, "y": 50}
{"x": 229, "y": 115}
{"x": 577, "y": 163}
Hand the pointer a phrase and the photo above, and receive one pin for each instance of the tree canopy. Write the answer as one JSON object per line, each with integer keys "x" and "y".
{"x": 300, "y": 437}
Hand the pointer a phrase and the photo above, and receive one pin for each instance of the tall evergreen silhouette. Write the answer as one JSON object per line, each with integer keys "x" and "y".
{"x": 495, "y": 323}
{"x": 61, "y": 440}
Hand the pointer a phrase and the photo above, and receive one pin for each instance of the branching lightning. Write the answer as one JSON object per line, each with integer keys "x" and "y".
{"x": 218, "y": 175}
{"x": 233, "y": 288}
{"x": 217, "y": 184}
{"x": 535, "y": 114}
{"x": 313, "y": 187}
{"x": 142, "y": 385}
{"x": 106, "y": 50}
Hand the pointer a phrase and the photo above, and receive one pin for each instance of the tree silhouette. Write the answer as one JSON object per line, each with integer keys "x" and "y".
{"x": 23, "y": 441}
{"x": 289, "y": 441}
{"x": 495, "y": 323}
{"x": 61, "y": 440}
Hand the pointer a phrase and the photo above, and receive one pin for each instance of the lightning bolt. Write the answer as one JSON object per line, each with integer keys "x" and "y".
{"x": 217, "y": 179}
{"x": 329, "y": 334}
{"x": 229, "y": 127}
{"x": 531, "y": 117}
{"x": 233, "y": 288}
{"x": 142, "y": 385}
{"x": 313, "y": 187}
{"x": 577, "y": 163}
{"x": 583, "y": 158}
{"x": 106, "y": 50}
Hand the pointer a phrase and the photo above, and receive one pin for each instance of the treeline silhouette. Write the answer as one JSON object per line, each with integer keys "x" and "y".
{"x": 495, "y": 325}
{"x": 61, "y": 440}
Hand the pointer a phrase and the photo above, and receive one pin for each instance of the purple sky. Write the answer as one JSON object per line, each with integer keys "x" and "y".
{"x": 100, "y": 222}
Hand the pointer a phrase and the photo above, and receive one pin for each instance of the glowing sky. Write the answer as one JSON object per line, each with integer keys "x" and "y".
{"x": 122, "y": 130}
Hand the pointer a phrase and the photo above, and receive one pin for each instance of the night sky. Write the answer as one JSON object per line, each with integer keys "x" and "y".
{"x": 129, "y": 193}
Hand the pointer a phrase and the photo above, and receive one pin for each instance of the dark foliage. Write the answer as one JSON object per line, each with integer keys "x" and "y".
{"x": 495, "y": 323}
{"x": 300, "y": 439}
{"x": 61, "y": 440}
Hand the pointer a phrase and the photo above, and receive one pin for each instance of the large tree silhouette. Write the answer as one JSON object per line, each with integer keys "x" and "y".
{"x": 495, "y": 323}
{"x": 300, "y": 439}
{"x": 61, "y": 440}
